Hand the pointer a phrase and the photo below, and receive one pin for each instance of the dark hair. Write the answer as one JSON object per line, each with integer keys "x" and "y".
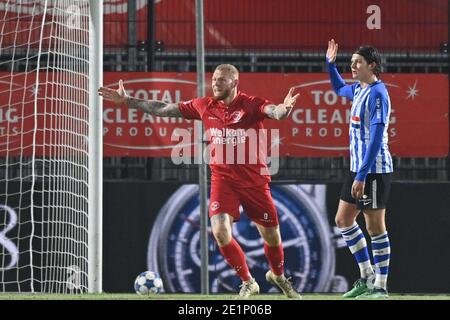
{"x": 371, "y": 54}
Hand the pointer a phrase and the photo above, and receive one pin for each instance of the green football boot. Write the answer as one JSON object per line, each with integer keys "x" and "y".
{"x": 359, "y": 288}
{"x": 376, "y": 293}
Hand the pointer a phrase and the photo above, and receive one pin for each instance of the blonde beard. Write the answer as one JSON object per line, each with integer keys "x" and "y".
{"x": 222, "y": 97}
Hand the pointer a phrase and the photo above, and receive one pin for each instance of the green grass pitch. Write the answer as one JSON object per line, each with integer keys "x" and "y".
{"x": 223, "y": 297}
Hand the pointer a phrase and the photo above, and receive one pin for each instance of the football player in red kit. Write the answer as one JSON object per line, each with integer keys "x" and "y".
{"x": 228, "y": 116}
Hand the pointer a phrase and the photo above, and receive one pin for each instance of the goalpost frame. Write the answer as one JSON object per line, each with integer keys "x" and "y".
{"x": 95, "y": 205}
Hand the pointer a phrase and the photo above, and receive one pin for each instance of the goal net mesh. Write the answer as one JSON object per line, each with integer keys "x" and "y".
{"x": 44, "y": 109}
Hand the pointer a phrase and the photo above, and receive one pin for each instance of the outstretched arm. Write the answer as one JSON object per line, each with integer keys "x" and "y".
{"x": 282, "y": 111}
{"x": 157, "y": 108}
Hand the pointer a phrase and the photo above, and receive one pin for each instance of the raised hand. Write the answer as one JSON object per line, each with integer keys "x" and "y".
{"x": 289, "y": 100}
{"x": 116, "y": 96}
{"x": 332, "y": 51}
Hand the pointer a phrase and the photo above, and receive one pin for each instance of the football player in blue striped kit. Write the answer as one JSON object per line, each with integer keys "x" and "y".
{"x": 368, "y": 183}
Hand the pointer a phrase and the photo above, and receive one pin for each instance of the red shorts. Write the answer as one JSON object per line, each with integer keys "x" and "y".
{"x": 257, "y": 202}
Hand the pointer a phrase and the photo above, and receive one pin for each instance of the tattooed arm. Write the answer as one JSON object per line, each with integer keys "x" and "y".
{"x": 281, "y": 111}
{"x": 157, "y": 108}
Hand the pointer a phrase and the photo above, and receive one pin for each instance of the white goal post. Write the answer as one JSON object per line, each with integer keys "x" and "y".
{"x": 51, "y": 146}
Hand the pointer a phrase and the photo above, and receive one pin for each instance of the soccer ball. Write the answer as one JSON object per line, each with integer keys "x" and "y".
{"x": 148, "y": 282}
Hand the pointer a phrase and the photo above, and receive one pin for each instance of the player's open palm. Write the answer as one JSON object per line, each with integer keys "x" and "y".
{"x": 289, "y": 100}
{"x": 332, "y": 51}
{"x": 116, "y": 96}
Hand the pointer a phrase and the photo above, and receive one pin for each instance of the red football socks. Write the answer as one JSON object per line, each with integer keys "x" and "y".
{"x": 275, "y": 255}
{"x": 235, "y": 257}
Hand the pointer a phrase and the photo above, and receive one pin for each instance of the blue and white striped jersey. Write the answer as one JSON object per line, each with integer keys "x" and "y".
{"x": 371, "y": 105}
{"x": 371, "y": 108}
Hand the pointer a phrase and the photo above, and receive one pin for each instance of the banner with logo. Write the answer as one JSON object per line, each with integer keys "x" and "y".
{"x": 318, "y": 125}
{"x": 162, "y": 234}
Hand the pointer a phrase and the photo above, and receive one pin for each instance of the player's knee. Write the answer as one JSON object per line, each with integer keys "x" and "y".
{"x": 342, "y": 222}
{"x": 222, "y": 235}
{"x": 272, "y": 237}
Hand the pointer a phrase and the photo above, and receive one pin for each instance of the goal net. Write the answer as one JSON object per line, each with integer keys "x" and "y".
{"x": 44, "y": 145}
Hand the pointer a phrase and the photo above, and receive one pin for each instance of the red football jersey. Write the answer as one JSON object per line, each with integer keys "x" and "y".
{"x": 231, "y": 129}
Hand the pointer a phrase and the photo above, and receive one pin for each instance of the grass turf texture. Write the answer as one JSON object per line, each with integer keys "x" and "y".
{"x": 164, "y": 296}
